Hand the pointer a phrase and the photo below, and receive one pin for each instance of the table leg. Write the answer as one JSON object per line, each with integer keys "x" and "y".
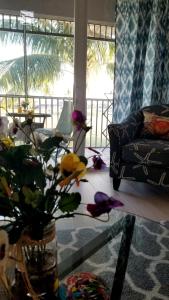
{"x": 128, "y": 228}
{"x": 74, "y": 260}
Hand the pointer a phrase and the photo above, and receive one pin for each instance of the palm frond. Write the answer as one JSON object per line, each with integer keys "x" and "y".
{"x": 46, "y": 54}
{"x": 41, "y": 70}
{"x": 99, "y": 53}
{"x": 41, "y": 44}
{"x": 10, "y": 37}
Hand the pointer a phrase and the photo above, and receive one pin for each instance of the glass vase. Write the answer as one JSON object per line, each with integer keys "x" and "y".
{"x": 40, "y": 263}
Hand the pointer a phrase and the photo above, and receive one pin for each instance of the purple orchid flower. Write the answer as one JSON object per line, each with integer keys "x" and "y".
{"x": 77, "y": 116}
{"x": 103, "y": 204}
{"x": 78, "y": 119}
{"x": 98, "y": 163}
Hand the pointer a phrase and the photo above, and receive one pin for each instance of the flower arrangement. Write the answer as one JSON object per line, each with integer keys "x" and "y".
{"x": 25, "y": 107}
{"x": 34, "y": 189}
{"x": 25, "y": 104}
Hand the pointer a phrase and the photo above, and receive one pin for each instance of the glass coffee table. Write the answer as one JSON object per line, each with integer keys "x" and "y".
{"x": 129, "y": 252}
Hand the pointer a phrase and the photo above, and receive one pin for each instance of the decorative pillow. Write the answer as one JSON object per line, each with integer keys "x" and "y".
{"x": 155, "y": 126}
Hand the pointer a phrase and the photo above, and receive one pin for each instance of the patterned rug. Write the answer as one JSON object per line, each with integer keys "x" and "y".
{"x": 147, "y": 274}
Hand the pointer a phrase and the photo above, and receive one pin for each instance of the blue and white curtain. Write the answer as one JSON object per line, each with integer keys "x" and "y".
{"x": 142, "y": 55}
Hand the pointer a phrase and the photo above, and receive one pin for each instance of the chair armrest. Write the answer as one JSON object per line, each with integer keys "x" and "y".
{"x": 128, "y": 130}
{"x": 121, "y": 134}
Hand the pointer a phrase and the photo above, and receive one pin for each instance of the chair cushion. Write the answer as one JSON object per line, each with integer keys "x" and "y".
{"x": 155, "y": 126}
{"x": 46, "y": 131}
{"x": 148, "y": 152}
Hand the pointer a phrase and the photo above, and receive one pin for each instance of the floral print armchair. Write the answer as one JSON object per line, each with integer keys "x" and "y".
{"x": 139, "y": 155}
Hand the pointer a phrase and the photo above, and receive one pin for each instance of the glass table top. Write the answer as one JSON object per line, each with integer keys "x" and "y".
{"x": 85, "y": 244}
{"x": 98, "y": 245}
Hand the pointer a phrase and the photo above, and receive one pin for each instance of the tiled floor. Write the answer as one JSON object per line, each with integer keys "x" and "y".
{"x": 104, "y": 153}
{"x": 139, "y": 198}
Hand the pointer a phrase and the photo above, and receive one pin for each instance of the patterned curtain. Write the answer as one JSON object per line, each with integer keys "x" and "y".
{"x": 142, "y": 55}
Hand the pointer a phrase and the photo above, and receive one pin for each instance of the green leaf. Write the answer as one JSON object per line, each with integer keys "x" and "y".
{"x": 13, "y": 157}
{"x": 32, "y": 198}
{"x": 28, "y": 172}
{"x": 49, "y": 145}
{"x": 52, "y": 142}
{"x": 6, "y": 207}
{"x": 83, "y": 159}
{"x": 14, "y": 232}
{"x": 15, "y": 197}
{"x": 50, "y": 203}
{"x": 69, "y": 202}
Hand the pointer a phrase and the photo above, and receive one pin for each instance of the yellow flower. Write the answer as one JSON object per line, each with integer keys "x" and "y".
{"x": 72, "y": 168}
{"x": 81, "y": 167}
{"x": 7, "y": 142}
{"x": 56, "y": 285}
{"x": 69, "y": 163}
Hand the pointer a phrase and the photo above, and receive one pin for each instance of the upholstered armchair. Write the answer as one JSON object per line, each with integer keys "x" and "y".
{"x": 138, "y": 151}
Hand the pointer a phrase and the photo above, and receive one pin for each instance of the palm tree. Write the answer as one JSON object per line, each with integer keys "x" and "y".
{"x": 46, "y": 56}
{"x": 100, "y": 53}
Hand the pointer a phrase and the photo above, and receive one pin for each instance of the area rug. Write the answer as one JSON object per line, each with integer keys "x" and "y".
{"x": 147, "y": 275}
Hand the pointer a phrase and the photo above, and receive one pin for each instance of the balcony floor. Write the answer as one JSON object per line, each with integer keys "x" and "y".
{"x": 139, "y": 198}
{"x": 105, "y": 155}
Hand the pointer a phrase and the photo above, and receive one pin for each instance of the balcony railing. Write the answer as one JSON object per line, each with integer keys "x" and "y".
{"x": 99, "y": 114}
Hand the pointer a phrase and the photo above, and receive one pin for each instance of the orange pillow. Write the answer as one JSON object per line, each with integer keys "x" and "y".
{"x": 155, "y": 126}
{"x": 160, "y": 126}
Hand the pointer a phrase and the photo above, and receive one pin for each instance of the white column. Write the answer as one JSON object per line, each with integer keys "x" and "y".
{"x": 80, "y": 56}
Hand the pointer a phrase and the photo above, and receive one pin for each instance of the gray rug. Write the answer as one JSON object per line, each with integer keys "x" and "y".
{"x": 147, "y": 274}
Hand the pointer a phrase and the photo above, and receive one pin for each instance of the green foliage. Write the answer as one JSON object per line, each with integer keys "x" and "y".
{"x": 83, "y": 159}
{"x": 5, "y": 206}
{"x": 46, "y": 58}
{"x": 100, "y": 53}
{"x": 26, "y": 170}
{"x": 33, "y": 186}
{"x": 69, "y": 202}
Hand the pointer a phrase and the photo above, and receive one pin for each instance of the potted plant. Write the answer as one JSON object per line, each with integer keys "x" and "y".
{"x": 35, "y": 191}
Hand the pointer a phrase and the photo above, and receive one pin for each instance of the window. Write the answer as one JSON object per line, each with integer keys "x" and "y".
{"x": 37, "y": 57}
{"x": 36, "y": 61}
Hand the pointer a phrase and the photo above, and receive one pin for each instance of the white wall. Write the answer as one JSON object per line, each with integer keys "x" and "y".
{"x": 98, "y": 10}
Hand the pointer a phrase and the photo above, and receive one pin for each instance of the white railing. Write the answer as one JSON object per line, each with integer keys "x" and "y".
{"x": 99, "y": 113}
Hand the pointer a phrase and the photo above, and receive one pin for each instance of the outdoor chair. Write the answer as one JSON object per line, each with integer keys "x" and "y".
{"x": 139, "y": 147}
{"x": 24, "y": 134}
{"x": 64, "y": 125}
